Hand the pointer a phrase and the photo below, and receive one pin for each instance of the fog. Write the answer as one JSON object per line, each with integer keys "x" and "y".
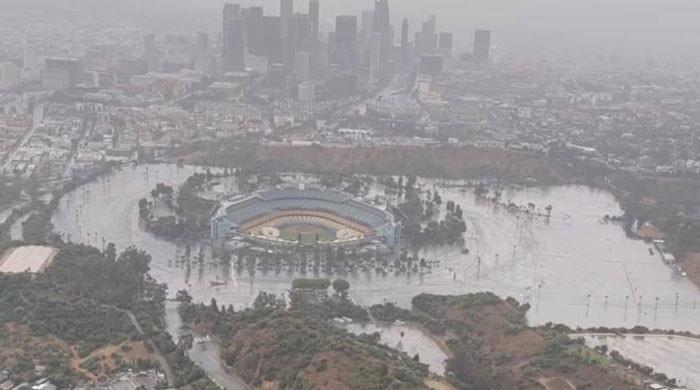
{"x": 661, "y": 29}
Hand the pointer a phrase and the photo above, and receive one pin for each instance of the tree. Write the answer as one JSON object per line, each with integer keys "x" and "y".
{"x": 549, "y": 210}
{"x": 341, "y": 287}
{"x": 111, "y": 252}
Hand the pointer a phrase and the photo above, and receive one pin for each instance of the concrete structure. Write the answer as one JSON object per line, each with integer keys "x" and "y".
{"x": 482, "y": 45}
{"x": 263, "y": 217}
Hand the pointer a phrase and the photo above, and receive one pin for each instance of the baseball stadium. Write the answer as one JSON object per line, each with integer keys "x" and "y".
{"x": 303, "y": 217}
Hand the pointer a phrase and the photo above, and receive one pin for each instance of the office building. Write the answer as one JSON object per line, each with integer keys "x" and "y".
{"x": 253, "y": 26}
{"x": 272, "y": 39}
{"x": 405, "y": 49}
{"x": 445, "y": 44}
{"x": 382, "y": 25}
{"x": 298, "y": 39}
{"x": 286, "y": 12}
{"x": 345, "y": 41}
{"x": 234, "y": 45}
{"x": 314, "y": 15}
{"x": 72, "y": 69}
{"x": 431, "y": 64}
{"x": 230, "y": 12}
{"x": 482, "y": 45}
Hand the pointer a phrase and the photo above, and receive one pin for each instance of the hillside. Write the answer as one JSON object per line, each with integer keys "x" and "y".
{"x": 90, "y": 315}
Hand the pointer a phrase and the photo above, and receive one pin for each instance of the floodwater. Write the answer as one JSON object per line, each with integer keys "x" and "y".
{"x": 677, "y": 357}
{"x": 572, "y": 268}
{"x": 407, "y": 339}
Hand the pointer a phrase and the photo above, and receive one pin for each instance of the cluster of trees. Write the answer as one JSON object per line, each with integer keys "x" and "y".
{"x": 421, "y": 228}
{"x": 82, "y": 299}
{"x": 182, "y": 224}
{"x": 65, "y": 304}
{"x": 274, "y": 342}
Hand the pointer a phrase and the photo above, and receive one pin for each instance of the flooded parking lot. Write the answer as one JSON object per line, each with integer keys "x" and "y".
{"x": 406, "y": 338}
{"x": 677, "y": 357}
{"x": 573, "y": 268}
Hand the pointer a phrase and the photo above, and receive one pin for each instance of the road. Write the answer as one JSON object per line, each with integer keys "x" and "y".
{"x": 159, "y": 355}
{"x": 205, "y": 353}
{"x": 37, "y": 119}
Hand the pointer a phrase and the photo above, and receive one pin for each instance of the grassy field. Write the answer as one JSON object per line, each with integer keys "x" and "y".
{"x": 308, "y": 233}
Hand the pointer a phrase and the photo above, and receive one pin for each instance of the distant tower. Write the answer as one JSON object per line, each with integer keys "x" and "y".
{"x": 201, "y": 60}
{"x": 345, "y": 41}
{"x": 381, "y": 20}
{"x": 382, "y": 25}
{"x": 230, "y": 11}
{"x": 272, "y": 39}
{"x": 482, "y": 45}
{"x": 286, "y": 12}
{"x": 233, "y": 37}
{"x": 234, "y": 51}
{"x": 298, "y": 38}
{"x": 253, "y": 26}
{"x": 405, "y": 49}
{"x": 314, "y": 14}
{"x": 445, "y": 44}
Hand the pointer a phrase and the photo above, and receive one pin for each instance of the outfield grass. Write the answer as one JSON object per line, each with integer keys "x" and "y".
{"x": 308, "y": 233}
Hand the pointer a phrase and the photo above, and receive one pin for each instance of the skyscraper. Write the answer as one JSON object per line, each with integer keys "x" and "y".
{"x": 426, "y": 40}
{"x": 233, "y": 37}
{"x": 272, "y": 39}
{"x": 345, "y": 41}
{"x": 253, "y": 26}
{"x": 381, "y": 20}
{"x": 382, "y": 25}
{"x": 482, "y": 45}
{"x": 405, "y": 49}
{"x": 286, "y": 12}
{"x": 445, "y": 44}
{"x": 314, "y": 14}
{"x": 230, "y": 11}
{"x": 234, "y": 49}
{"x": 298, "y": 38}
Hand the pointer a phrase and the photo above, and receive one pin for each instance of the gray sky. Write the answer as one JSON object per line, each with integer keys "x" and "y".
{"x": 636, "y": 28}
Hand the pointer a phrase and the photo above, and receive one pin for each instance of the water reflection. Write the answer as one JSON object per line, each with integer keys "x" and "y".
{"x": 572, "y": 268}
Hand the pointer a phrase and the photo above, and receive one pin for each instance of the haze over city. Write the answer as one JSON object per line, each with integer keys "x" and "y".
{"x": 349, "y": 195}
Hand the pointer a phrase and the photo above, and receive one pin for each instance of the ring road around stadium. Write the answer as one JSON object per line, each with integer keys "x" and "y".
{"x": 304, "y": 217}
